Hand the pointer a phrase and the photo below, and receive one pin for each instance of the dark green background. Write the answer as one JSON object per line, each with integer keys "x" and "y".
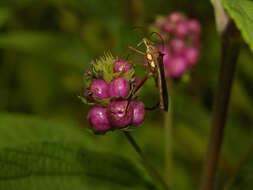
{"x": 45, "y": 47}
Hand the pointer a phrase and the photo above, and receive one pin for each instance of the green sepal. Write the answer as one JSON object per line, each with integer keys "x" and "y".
{"x": 104, "y": 66}
{"x": 85, "y": 101}
{"x": 87, "y": 82}
{"x": 102, "y": 102}
{"x": 129, "y": 128}
{"x": 129, "y": 75}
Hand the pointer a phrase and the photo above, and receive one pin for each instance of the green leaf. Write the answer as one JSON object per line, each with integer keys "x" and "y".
{"x": 242, "y": 177}
{"x": 242, "y": 13}
{"x": 49, "y": 46}
{"x": 39, "y": 154}
{"x": 5, "y": 15}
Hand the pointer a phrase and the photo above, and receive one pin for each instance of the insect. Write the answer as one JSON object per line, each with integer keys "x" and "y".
{"x": 154, "y": 67}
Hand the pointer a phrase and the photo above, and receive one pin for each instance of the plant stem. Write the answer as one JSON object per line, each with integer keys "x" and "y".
{"x": 168, "y": 137}
{"x": 151, "y": 170}
{"x": 230, "y": 51}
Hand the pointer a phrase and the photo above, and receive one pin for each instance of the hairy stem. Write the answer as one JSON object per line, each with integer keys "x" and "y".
{"x": 151, "y": 170}
{"x": 230, "y": 51}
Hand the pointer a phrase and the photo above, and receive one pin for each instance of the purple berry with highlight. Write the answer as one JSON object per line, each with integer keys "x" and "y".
{"x": 99, "y": 88}
{"x": 119, "y": 87}
{"x": 120, "y": 113}
{"x": 98, "y": 119}
{"x": 138, "y": 112}
{"x": 191, "y": 55}
{"x": 177, "y": 66}
{"x": 121, "y": 65}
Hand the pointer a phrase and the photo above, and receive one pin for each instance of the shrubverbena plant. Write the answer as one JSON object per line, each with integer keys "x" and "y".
{"x": 182, "y": 43}
{"x": 111, "y": 83}
{"x": 109, "y": 86}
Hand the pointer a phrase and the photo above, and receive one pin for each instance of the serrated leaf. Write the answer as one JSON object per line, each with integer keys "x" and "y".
{"x": 242, "y": 13}
{"x": 39, "y": 154}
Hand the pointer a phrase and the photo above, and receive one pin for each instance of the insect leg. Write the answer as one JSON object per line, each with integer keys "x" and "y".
{"x": 136, "y": 50}
{"x": 139, "y": 84}
{"x": 153, "y": 107}
{"x": 136, "y": 63}
{"x": 133, "y": 49}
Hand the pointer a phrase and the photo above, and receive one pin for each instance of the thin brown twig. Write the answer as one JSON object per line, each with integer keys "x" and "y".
{"x": 230, "y": 51}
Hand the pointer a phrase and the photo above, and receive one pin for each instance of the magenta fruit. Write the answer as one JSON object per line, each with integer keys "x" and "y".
{"x": 191, "y": 55}
{"x": 98, "y": 119}
{"x": 120, "y": 113}
{"x": 194, "y": 26}
{"x": 168, "y": 27}
{"x": 121, "y": 65}
{"x": 177, "y": 46}
{"x": 176, "y": 17}
{"x": 177, "y": 66}
{"x": 119, "y": 87}
{"x": 99, "y": 88}
{"x": 138, "y": 112}
{"x": 181, "y": 30}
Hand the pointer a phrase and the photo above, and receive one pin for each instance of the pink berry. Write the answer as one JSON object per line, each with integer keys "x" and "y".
{"x": 99, "y": 88}
{"x": 98, "y": 119}
{"x": 120, "y": 113}
{"x": 181, "y": 30}
{"x": 166, "y": 59}
{"x": 119, "y": 87}
{"x": 191, "y": 55}
{"x": 138, "y": 112}
{"x": 177, "y": 66}
{"x": 194, "y": 26}
{"x": 175, "y": 17}
{"x": 121, "y": 65}
{"x": 177, "y": 46}
{"x": 168, "y": 27}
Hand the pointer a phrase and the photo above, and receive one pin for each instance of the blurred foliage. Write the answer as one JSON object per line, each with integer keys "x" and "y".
{"x": 45, "y": 47}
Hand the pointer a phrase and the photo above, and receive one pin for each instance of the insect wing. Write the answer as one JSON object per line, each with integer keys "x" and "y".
{"x": 162, "y": 87}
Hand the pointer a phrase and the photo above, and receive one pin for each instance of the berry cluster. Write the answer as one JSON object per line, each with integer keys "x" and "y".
{"x": 182, "y": 45}
{"x": 109, "y": 85}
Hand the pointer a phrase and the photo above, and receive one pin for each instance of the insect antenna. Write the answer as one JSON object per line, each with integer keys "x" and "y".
{"x": 160, "y": 37}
